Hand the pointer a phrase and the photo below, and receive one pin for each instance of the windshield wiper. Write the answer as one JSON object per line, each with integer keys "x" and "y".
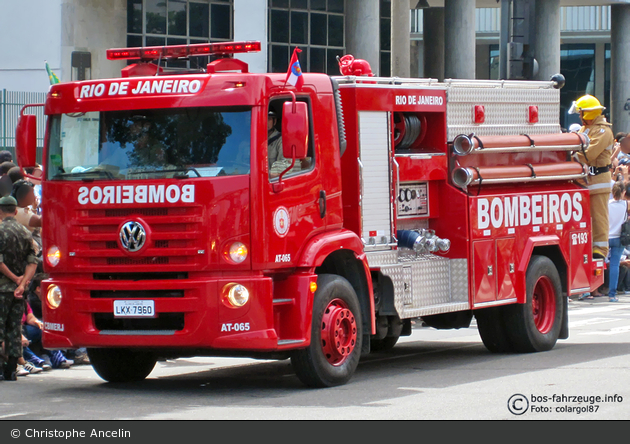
{"x": 85, "y": 175}
{"x": 178, "y": 172}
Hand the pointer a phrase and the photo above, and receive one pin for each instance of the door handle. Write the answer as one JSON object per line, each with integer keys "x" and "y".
{"x": 322, "y": 203}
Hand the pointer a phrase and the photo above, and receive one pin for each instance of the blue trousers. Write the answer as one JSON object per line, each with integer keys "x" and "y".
{"x": 616, "y": 249}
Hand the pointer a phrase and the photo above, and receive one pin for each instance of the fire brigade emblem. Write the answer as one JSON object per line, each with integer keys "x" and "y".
{"x": 281, "y": 221}
{"x": 132, "y": 236}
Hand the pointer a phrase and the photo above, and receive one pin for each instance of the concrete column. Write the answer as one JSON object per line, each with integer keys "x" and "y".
{"x": 400, "y": 35}
{"x": 433, "y": 38}
{"x": 482, "y": 65}
{"x": 416, "y": 67}
{"x": 250, "y": 23}
{"x": 600, "y": 70}
{"x": 459, "y": 39}
{"x": 363, "y": 31}
{"x": 620, "y": 60}
{"x": 93, "y": 26}
{"x": 547, "y": 41}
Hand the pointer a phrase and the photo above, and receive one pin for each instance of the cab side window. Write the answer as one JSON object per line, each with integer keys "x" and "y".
{"x": 277, "y": 163}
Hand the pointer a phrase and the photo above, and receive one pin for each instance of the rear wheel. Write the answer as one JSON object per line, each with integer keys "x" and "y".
{"x": 336, "y": 333}
{"x": 492, "y": 330}
{"x": 120, "y": 364}
{"x": 535, "y": 325}
{"x": 385, "y": 344}
{"x": 394, "y": 330}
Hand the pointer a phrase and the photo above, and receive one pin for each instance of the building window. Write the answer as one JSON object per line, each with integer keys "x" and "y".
{"x": 315, "y": 26}
{"x": 607, "y": 103}
{"x": 179, "y": 22}
{"x": 385, "y": 7}
{"x": 577, "y": 65}
{"x": 494, "y": 62}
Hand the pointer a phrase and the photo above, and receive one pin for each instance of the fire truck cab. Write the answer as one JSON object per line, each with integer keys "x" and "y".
{"x": 175, "y": 226}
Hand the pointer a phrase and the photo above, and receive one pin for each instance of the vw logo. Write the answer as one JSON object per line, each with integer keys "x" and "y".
{"x": 132, "y": 236}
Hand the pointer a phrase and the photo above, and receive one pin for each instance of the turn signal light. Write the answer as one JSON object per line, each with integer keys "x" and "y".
{"x": 237, "y": 252}
{"x": 235, "y": 295}
{"x": 53, "y": 256}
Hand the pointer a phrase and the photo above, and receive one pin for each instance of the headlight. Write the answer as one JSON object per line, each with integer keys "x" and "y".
{"x": 235, "y": 295}
{"x": 237, "y": 252}
{"x": 53, "y": 296}
{"x": 53, "y": 256}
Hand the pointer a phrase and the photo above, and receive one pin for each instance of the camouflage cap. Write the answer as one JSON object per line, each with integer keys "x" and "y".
{"x": 8, "y": 200}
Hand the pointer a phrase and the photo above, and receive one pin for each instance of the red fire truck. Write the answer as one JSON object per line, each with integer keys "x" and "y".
{"x": 173, "y": 227}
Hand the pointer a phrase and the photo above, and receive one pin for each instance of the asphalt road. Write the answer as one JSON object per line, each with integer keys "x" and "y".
{"x": 432, "y": 374}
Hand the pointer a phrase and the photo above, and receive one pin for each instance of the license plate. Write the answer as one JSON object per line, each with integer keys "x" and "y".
{"x": 134, "y": 309}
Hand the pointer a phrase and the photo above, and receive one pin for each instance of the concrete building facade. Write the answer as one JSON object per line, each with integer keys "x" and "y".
{"x": 584, "y": 39}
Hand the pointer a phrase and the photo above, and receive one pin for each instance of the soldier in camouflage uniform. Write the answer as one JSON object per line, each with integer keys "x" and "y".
{"x": 18, "y": 263}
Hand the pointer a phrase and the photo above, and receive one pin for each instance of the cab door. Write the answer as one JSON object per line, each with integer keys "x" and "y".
{"x": 293, "y": 208}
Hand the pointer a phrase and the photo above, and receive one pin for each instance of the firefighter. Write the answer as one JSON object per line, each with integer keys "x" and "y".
{"x": 598, "y": 158}
{"x": 274, "y": 140}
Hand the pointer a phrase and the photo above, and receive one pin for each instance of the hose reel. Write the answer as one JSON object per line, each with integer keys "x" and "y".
{"x": 409, "y": 130}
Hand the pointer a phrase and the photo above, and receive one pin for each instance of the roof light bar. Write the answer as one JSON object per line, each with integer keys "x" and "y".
{"x": 182, "y": 51}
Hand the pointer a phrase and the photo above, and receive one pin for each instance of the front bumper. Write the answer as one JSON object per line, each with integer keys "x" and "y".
{"x": 195, "y": 318}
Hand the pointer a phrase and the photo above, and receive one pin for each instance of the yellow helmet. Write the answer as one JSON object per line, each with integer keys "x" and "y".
{"x": 588, "y": 106}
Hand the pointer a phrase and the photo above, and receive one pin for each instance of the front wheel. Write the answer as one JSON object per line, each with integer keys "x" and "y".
{"x": 120, "y": 364}
{"x": 535, "y": 325}
{"x": 336, "y": 333}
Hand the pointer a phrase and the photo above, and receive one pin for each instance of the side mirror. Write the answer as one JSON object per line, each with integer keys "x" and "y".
{"x": 294, "y": 130}
{"x": 26, "y": 140}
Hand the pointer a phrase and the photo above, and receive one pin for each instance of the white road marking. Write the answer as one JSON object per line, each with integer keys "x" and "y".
{"x": 592, "y": 310}
{"x": 12, "y": 415}
{"x": 612, "y": 331}
{"x": 591, "y": 321}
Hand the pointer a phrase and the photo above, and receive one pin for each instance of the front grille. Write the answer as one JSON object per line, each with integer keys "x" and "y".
{"x": 164, "y": 321}
{"x": 176, "y": 235}
{"x": 138, "y": 276}
{"x": 143, "y": 261}
{"x": 137, "y": 294}
{"x": 111, "y": 245}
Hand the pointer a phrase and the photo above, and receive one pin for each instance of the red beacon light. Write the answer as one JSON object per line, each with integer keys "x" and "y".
{"x": 182, "y": 51}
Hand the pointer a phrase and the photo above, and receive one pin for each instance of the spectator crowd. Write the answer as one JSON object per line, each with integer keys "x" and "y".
{"x": 617, "y": 257}
{"x": 21, "y": 272}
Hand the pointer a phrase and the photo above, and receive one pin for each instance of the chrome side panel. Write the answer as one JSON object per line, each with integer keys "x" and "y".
{"x": 506, "y": 110}
{"x": 424, "y": 284}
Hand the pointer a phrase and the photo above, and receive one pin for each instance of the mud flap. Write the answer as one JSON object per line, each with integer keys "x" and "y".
{"x": 365, "y": 345}
{"x": 564, "y": 329}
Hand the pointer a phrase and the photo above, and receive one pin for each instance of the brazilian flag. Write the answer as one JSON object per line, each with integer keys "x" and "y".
{"x": 51, "y": 75}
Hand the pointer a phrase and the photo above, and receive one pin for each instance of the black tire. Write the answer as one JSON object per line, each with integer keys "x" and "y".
{"x": 535, "y": 325}
{"x": 492, "y": 330}
{"x": 383, "y": 345}
{"x": 327, "y": 363}
{"x": 120, "y": 364}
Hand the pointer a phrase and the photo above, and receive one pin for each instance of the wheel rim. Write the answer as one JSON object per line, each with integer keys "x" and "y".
{"x": 339, "y": 332}
{"x": 544, "y": 304}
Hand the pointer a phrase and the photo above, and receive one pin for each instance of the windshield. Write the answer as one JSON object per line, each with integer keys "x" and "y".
{"x": 149, "y": 144}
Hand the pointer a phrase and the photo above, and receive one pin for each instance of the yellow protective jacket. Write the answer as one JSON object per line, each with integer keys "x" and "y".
{"x": 598, "y": 153}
